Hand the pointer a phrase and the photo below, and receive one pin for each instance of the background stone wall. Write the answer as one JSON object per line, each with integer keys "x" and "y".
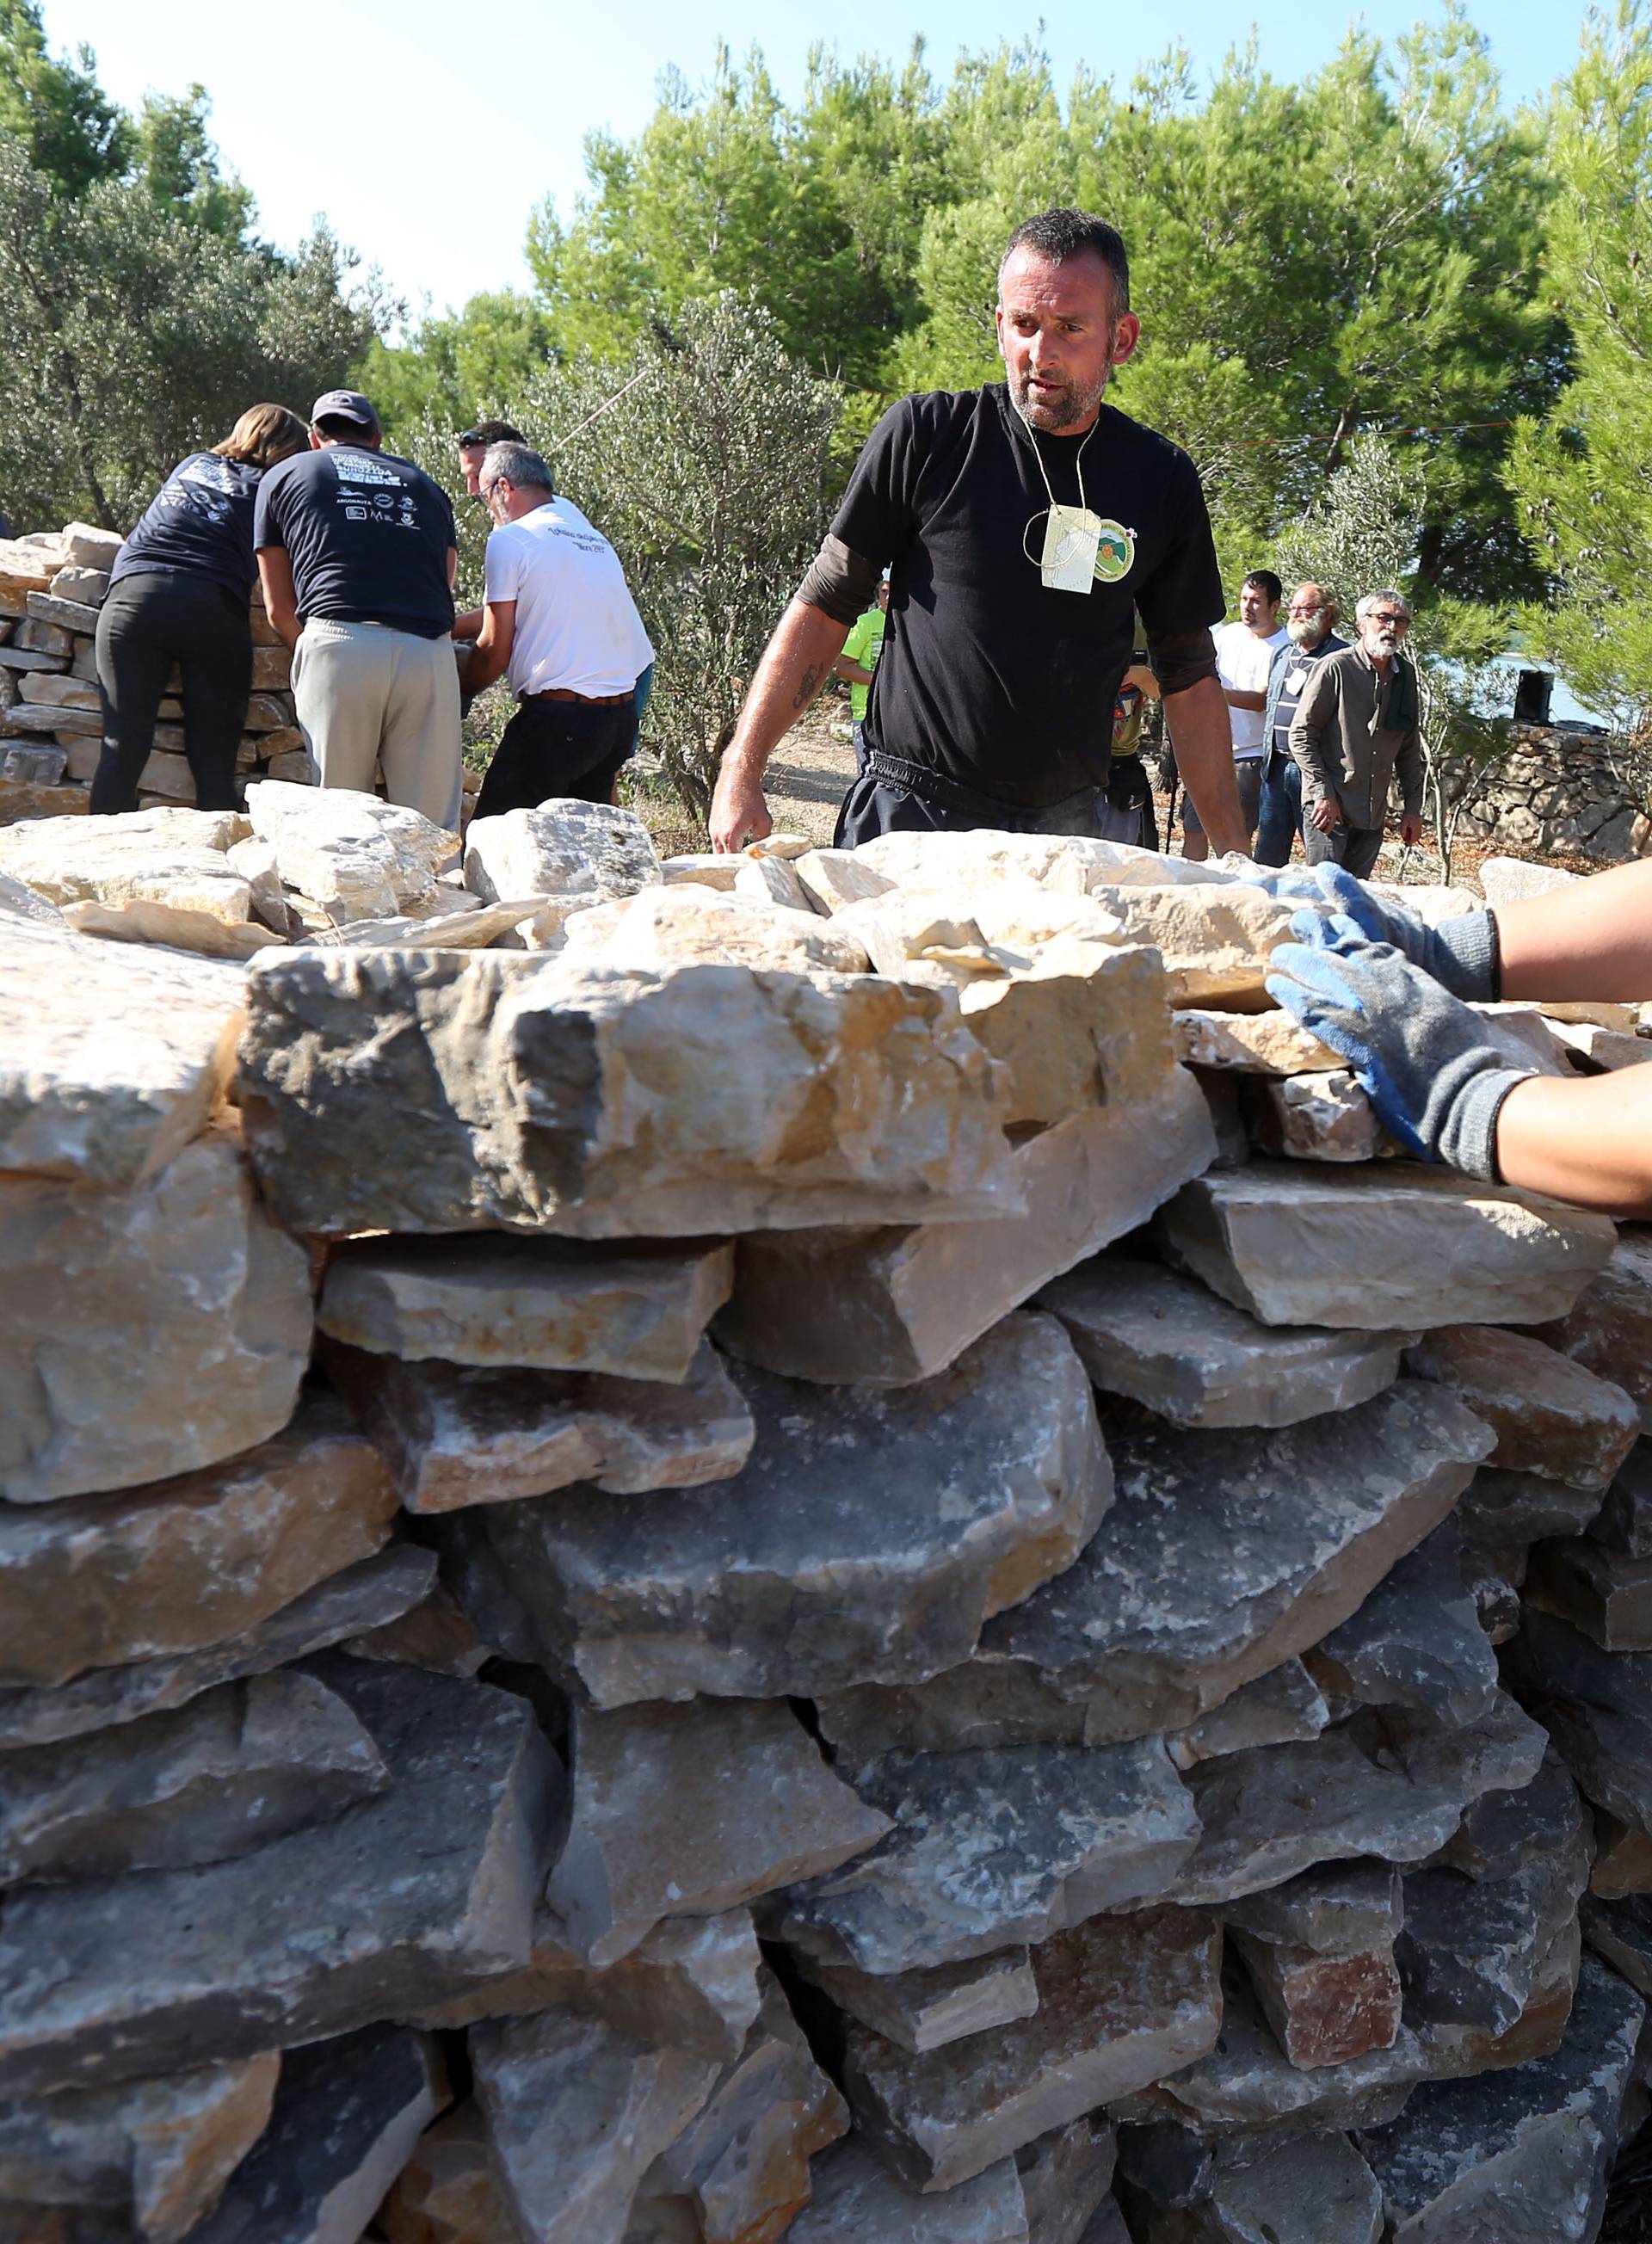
{"x": 1562, "y": 788}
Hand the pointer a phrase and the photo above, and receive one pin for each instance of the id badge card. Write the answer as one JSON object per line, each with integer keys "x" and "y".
{"x": 1071, "y": 535}
{"x": 1297, "y": 680}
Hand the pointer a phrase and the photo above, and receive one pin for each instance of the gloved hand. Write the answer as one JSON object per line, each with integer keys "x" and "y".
{"x": 1462, "y": 955}
{"x": 1423, "y": 1058}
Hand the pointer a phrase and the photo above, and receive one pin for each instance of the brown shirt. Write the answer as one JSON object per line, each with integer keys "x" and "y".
{"x": 1345, "y": 748}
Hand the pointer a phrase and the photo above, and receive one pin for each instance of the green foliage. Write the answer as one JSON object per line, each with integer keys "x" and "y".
{"x": 709, "y": 477}
{"x": 131, "y": 335}
{"x": 178, "y": 161}
{"x": 69, "y": 128}
{"x": 462, "y": 368}
{"x": 1582, "y": 475}
{"x": 1360, "y": 532}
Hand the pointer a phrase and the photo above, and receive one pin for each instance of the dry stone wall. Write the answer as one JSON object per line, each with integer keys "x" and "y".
{"x": 816, "y": 1546}
{"x": 51, "y": 587}
{"x": 1567, "y": 787}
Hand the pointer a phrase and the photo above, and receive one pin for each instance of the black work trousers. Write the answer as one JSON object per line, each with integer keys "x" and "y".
{"x": 572, "y": 749}
{"x": 148, "y": 623}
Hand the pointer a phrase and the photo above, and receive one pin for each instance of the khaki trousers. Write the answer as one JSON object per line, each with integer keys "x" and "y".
{"x": 368, "y": 695}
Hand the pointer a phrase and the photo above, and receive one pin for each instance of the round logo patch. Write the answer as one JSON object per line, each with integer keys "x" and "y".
{"x": 1115, "y": 553}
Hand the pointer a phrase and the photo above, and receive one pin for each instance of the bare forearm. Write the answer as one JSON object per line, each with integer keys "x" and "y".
{"x": 795, "y": 664}
{"x": 1588, "y": 1143}
{"x": 1236, "y": 697}
{"x": 852, "y": 672}
{"x": 280, "y": 601}
{"x": 1590, "y": 939}
{"x": 1203, "y": 741}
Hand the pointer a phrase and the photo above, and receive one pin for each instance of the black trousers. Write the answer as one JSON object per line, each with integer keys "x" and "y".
{"x": 147, "y": 624}
{"x": 549, "y": 749}
{"x": 891, "y": 795}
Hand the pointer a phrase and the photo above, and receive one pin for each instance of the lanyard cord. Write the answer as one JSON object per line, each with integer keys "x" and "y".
{"x": 1078, "y": 462}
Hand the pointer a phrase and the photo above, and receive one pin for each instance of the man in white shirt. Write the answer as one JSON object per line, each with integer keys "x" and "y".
{"x": 1244, "y": 654}
{"x": 558, "y": 617}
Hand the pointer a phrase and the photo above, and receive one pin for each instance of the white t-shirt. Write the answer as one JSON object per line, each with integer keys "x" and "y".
{"x": 575, "y": 624}
{"x": 1243, "y": 663}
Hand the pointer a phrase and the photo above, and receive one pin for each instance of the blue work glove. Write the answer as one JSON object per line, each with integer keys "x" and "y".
{"x": 1423, "y": 1058}
{"x": 1462, "y": 955}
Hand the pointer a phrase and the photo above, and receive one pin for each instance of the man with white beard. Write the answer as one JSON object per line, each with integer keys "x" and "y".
{"x": 1354, "y": 732}
{"x": 1310, "y": 622}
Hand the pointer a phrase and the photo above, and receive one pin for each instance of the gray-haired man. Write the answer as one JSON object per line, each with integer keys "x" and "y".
{"x": 557, "y": 616}
{"x": 1354, "y": 732}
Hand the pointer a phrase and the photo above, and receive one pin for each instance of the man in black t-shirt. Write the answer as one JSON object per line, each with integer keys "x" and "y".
{"x": 357, "y": 553}
{"x": 1024, "y": 524}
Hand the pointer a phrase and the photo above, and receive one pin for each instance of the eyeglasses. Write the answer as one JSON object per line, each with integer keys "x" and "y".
{"x": 1387, "y": 615}
{"x": 1317, "y": 609}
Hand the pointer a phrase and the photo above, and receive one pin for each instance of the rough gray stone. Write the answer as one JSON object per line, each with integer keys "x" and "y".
{"x": 1322, "y": 1116}
{"x": 857, "y": 2201}
{"x": 1416, "y": 1640}
{"x": 318, "y": 1932}
{"x": 740, "y": 2166}
{"x": 80, "y": 1103}
{"x": 1246, "y": 2084}
{"x": 577, "y": 2114}
{"x": 637, "y": 1312}
{"x": 348, "y": 2115}
{"x": 155, "y": 2153}
{"x": 144, "y": 1331}
{"x": 449, "y": 2193}
{"x": 1622, "y": 1859}
{"x": 562, "y": 848}
{"x": 1326, "y": 2008}
{"x": 1309, "y": 2189}
{"x": 1621, "y": 1932}
{"x": 1169, "y": 1342}
{"x": 1502, "y": 1831}
{"x": 1597, "y": 1707}
{"x": 366, "y": 1596}
{"x": 1505, "y": 1512}
{"x": 188, "y": 1561}
{"x": 1624, "y": 1523}
{"x": 1334, "y": 1909}
{"x": 434, "y": 1633}
{"x": 1051, "y": 1834}
{"x": 684, "y": 1811}
{"x": 356, "y": 856}
{"x": 1608, "y": 1329}
{"x": 925, "y": 2009}
{"x": 888, "y": 1307}
{"x": 1369, "y": 1788}
{"x": 692, "y": 1982}
{"x": 1551, "y": 1416}
{"x": 1119, "y": 2005}
{"x": 538, "y": 1095}
{"x": 1284, "y": 1706}
{"x": 234, "y": 1768}
{"x": 1227, "y": 1552}
{"x": 1065, "y": 2176}
{"x": 1384, "y": 1247}
{"x": 453, "y": 1434}
{"x": 1608, "y": 1597}
{"x": 869, "y": 1535}
{"x": 1516, "y": 2157}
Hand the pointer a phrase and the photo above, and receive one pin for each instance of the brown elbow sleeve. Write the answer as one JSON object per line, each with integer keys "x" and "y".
{"x": 1181, "y": 659}
{"x": 840, "y": 583}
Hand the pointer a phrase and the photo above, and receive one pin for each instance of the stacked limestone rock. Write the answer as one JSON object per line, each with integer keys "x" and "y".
{"x": 729, "y": 1568}
{"x": 51, "y": 587}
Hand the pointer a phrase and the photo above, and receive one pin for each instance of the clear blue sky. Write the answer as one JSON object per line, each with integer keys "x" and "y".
{"x": 426, "y": 133}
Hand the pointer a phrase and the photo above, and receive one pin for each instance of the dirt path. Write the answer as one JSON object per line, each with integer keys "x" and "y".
{"x": 808, "y": 776}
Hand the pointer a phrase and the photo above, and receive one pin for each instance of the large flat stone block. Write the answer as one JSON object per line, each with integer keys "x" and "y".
{"x": 1118, "y": 2007}
{"x": 690, "y": 1810}
{"x": 184, "y": 1563}
{"x": 431, "y": 1881}
{"x": 356, "y": 856}
{"x": 562, "y": 848}
{"x": 887, "y": 1307}
{"x": 454, "y": 1434}
{"x": 533, "y": 1094}
{"x": 169, "y": 856}
{"x": 869, "y": 1534}
{"x": 857, "y": 2201}
{"x": 107, "y": 1079}
{"x": 1609, "y": 1328}
{"x": 146, "y": 1331}
{"x": 1383, "y": 1248}
{"x": 1597, "y": 1707}
{"x": 1169, "y": 1342}
{"x": 1551, "y": 1416}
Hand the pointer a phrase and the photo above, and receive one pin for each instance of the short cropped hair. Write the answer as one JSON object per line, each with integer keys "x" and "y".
{"x": 1368, "y": 602}
{"x": 339, "y": 430}
{"x": 264, "y": 434}
{"x": 1267, "y": 583}
{"x": 518, "y": 465}
{"x": 1060, "y": 235}
{"x": 489, "y": 432}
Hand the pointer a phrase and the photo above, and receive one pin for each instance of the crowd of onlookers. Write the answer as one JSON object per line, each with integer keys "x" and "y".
{"x": 355, "y": 553}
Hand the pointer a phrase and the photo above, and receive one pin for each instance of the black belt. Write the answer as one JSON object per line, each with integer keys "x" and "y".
{"x": 951, "y": 795}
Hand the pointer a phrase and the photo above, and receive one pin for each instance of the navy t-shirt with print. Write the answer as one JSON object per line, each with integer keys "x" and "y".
{"x": 199, "y": 524}
{"x": 367, "y": 536}
{"x": 987, "y": 675}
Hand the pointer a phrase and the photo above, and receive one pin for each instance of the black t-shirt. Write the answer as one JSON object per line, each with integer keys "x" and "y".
{"x": 367, "y": 536}
{"x": 199, "y": 524}
{"x": 986, "y": 675}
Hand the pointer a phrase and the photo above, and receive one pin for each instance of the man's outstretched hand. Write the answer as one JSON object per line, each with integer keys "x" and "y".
{"x": 1461, "y": 954}
{"x": 1423, "y": 1057}
{"x": 739, "y": 814}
